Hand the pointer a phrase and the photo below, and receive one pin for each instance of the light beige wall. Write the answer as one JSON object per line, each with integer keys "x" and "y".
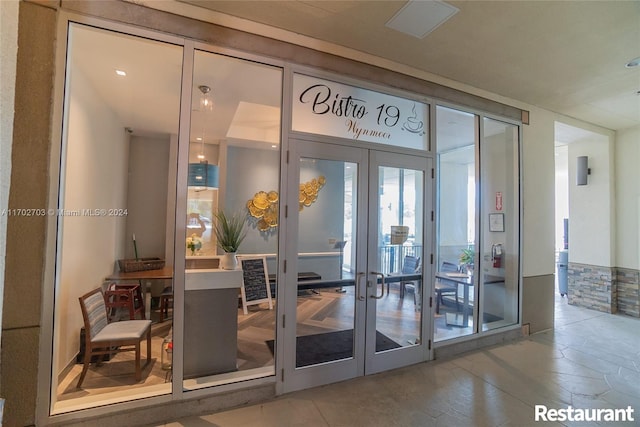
{"x": 538, "y": 202}
{"x": 95, "y": 177}
{"x": 628, "y": 198}
{"x": 147, "y": 196}
{"x": 538, "y": 194}
{"x": 8, "y": 49}
{"x": 538, "y": 302}
{"x": 591, "y": 222}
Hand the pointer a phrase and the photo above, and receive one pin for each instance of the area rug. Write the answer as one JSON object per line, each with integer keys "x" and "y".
{"x": 320, "y": 348}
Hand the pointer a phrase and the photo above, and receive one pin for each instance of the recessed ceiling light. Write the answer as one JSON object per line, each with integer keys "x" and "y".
{"x": 274, "y": 146}
{"x": 419, "y": 17}
{"x": 121, "y": 73}
{"x": 198, "y": 139}
{"x": 633, "y": 63}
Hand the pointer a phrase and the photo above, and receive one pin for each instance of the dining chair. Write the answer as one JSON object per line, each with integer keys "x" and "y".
{"x": 102, "y": 337}
{"x": 446, "y": 287}
{"x": 410, "y": 265}
{"x": 127, "y": 296}
{"x": 166, "y": 301}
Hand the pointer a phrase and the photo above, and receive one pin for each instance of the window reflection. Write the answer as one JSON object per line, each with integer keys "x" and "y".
{"x": 234, "y": 168}
{"x": 464, "y": 264}
{"x": 455, "y": 280}
{"x": 120, "y": 135}
{"x": 500, "y": 251}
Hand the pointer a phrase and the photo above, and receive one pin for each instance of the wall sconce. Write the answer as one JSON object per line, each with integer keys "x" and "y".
{"x": 582, "y": 170}
{"x": 203, "y": 176}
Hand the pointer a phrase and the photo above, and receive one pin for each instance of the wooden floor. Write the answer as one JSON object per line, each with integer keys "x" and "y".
{"x": 323, "y": 312}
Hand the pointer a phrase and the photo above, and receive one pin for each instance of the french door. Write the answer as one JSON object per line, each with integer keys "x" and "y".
{"x": 358, "y": 231}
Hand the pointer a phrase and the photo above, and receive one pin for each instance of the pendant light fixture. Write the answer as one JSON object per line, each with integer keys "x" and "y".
{"x": 202, "y": 175}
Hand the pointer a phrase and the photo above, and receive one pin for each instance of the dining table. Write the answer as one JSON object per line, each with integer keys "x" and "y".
{"x": 165, "y": 273}
{"x": 467, "y": 281}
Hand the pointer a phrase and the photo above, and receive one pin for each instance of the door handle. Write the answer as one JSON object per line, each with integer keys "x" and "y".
{"x": 358, "y": 287}
{"x": 382, "y": 283}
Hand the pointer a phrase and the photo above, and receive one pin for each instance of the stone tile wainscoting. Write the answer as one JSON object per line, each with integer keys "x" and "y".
{"x": 628, "y": 282}
{"x": 606, "y": 289}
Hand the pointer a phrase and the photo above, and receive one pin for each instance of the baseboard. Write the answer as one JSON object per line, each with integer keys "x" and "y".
{"x": 476, "y": 342}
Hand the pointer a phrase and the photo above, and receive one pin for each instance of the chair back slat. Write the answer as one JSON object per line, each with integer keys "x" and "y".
{"x": 94, "y": 312}
{"x": 410, "y": 264}
{"x": 449, "y": 267}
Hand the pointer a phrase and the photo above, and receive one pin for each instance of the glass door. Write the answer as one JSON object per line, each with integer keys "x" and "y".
{"x": 353, "y": 280}
{"x": 395, "y": 332}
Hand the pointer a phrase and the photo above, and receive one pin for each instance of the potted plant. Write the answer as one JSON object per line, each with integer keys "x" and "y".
{"x": 467, "y": 258}
{"x": 229, "y": 232}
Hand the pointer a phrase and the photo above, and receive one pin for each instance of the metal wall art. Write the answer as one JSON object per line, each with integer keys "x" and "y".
{"x": 264, "y": 205}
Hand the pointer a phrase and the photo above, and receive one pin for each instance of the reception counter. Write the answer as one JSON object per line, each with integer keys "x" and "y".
{"x": 211, "y": 321}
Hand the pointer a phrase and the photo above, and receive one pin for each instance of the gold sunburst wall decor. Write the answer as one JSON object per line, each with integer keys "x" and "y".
{"x": 309, "y": 192}
{"x": 264, "y": 205}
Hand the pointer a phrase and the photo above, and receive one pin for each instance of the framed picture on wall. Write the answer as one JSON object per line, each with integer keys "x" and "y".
{"x": 496, "y": 222}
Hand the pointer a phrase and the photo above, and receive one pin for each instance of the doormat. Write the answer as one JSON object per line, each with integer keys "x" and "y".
{"x": 320, "y": 348}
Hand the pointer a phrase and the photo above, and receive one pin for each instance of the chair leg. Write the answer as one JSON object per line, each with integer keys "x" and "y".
{"x": 164, "y": 306}
{"x": 148, "y": 346}
{"x": 138, "y": 369}
{"x": 85, "y": 365}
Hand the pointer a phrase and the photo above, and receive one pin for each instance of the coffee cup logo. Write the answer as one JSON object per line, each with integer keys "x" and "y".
{"x": 413, "y": 124}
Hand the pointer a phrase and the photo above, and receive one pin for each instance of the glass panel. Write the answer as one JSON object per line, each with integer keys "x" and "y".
{"x": 457, "y": 134}
{"x": 326, "y": 261}
{"x": 234, "y": 174}
{"x": 116, "y": 202}
{"x": 500, "y": 209}
{"x": 400, "y": 231}
{"x": 328, "y": 108}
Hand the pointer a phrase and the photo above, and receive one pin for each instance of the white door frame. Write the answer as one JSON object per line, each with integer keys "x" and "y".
{"x": 364, "y": 360}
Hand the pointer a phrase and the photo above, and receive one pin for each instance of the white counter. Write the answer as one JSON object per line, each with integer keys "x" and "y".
{"x": 211, "y": 321}
{"x": 212, "y": 278}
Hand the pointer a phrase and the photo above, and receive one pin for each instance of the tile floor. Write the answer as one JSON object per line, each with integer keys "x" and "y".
{"x": 590, "y": 360}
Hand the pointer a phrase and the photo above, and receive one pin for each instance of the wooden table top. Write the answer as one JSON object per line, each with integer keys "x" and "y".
{"x": 161, "y": 273}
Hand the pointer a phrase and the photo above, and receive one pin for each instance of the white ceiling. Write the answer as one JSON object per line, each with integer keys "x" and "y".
{"x": 567, "y": 57}
{"x": 564, "y": 56}
{"x": 246, "y": 96}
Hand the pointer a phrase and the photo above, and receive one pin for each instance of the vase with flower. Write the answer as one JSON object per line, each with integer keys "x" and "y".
{"x": 194, "y": 244}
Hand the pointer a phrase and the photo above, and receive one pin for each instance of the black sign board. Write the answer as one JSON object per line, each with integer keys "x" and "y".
{"x": 255, "y": 282}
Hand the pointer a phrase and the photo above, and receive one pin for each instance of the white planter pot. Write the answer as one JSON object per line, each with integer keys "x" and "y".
{"x": 228, "y": 261}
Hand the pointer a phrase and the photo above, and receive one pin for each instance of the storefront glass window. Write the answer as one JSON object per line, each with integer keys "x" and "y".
{"x": 477, "y": 282}
{"x": 455, "y": 285}
{"x": 115, "y": 220}
{"x": 500, "y": 214}
{"x": 233, "y": 183}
